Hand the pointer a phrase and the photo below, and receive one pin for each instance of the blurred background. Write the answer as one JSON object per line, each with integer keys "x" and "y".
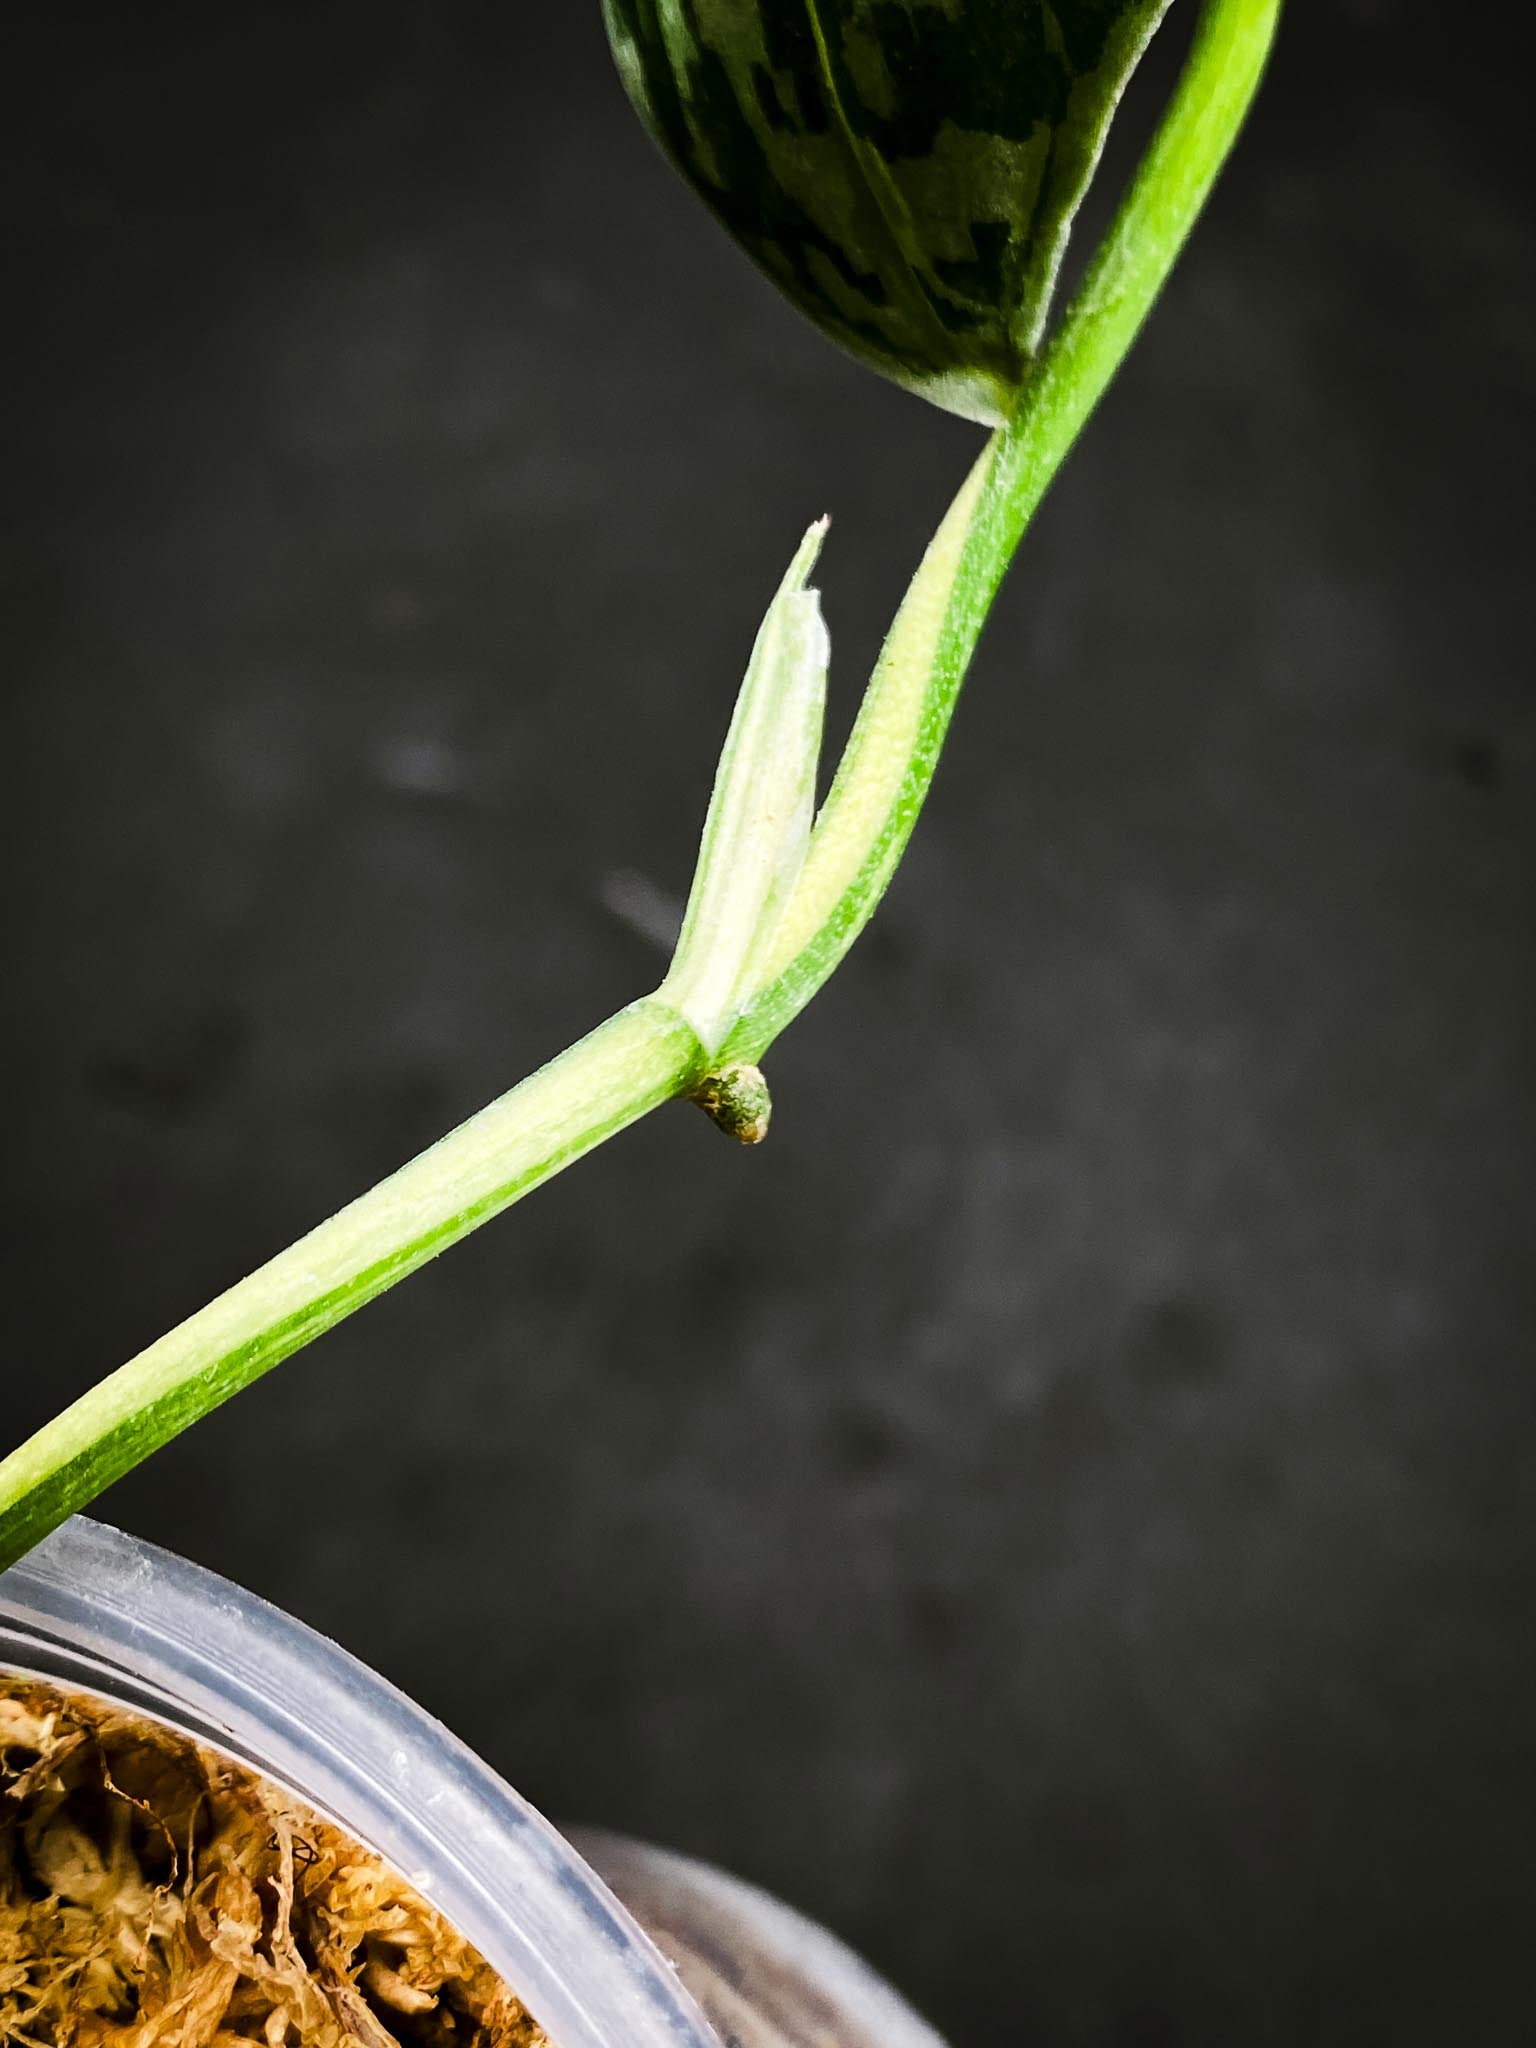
{"x": 1078, "y": 1536}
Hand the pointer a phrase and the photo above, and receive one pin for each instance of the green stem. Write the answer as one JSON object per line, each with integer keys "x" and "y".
{"x": 648, "y": 1053}
{"x": 886, "y": 771}
{"x": 638, "y": 1059}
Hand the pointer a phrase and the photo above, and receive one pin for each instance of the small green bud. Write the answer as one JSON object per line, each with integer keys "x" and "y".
{"x": 905, "y": 170}
{"x": 737, "y": 1101}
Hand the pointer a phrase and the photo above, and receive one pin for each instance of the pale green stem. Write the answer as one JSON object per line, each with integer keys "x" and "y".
{"x": 648, "y": 1054}
{"x": 885, "y": 774}
{"x": 638, "y": 1059}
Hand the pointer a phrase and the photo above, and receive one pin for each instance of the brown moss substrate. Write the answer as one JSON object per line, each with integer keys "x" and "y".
{"x": 154, "y": 1895}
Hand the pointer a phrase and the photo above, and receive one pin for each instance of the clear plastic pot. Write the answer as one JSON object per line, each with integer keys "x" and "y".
{"x": 97, "y": 1611}
{"x": 102, "y": 1613}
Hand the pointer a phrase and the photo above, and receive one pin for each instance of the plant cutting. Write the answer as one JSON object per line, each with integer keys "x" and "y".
{"x": 909, "y": 173}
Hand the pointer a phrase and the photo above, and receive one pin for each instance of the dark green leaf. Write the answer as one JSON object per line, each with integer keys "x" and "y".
{"x": 906, "y": 170}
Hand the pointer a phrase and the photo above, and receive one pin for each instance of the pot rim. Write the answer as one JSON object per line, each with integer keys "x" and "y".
{"x": 100, "y": 1611}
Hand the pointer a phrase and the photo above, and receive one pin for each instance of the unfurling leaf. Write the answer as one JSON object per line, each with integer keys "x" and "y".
{"x": 759, "y": 820}
{"x": 906, "y": 171}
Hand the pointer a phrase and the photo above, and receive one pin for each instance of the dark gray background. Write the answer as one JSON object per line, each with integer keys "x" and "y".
{"x": 1074, "y": 1535}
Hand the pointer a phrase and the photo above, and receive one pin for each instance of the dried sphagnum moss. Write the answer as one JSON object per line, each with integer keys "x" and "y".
{"x": 154, "y": 1895}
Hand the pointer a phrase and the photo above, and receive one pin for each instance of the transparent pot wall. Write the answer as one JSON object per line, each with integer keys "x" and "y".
{"x": 95, "y": 1610}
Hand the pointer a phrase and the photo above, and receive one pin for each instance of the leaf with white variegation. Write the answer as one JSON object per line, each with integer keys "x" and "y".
{"x": 907, "y": 171}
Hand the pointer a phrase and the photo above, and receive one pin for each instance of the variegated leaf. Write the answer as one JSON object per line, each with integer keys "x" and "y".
{"x": 906, "y": 170}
